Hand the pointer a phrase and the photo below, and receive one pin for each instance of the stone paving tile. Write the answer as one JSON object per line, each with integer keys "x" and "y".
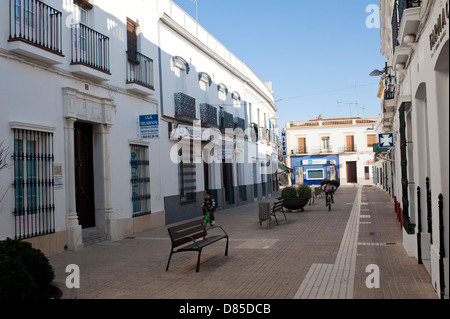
{"x": 263, "y": 262}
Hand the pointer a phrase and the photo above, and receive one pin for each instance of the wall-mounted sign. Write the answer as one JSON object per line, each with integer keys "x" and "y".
{"x": 314, "y": 162}
{"x": 283, "y": 144}
{"x": 149, "y": 126}
{"x": 386, "y": 140}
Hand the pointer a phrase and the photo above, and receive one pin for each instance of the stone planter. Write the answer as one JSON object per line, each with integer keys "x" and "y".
{"x": 295, "y": 203}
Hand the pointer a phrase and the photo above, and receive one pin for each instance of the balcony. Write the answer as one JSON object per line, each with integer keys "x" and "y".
{"x": 301, "y": 150}
{"x": 184, "y": 107}
{"x": 35, "y": 31}
{"x": 90, "y": 53}
{"x": 348, "y": 149}
{"x": 254, "y": 134}
{"x": 208, "y": 115}
{"x": 405, "y": 22}
{"x": 139, "y": 73}
{"x": 239, "y": 123}
{"x": 226, "y": 120}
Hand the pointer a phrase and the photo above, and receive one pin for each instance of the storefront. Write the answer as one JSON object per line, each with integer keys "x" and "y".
{"x": 312, "y": 170}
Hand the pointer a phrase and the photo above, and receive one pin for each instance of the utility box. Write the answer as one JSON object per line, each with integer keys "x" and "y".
{"x": 264, "y": 212}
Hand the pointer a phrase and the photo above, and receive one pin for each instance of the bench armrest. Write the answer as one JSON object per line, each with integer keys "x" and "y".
{"x": 220, "y": 228}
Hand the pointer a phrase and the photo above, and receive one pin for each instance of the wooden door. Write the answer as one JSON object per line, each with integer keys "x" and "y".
{"x": 84, "y": 179}
{"x": 351, "y": 172}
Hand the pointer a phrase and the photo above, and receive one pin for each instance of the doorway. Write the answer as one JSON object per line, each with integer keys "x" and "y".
{"x": 351, "y": 172}
{"x": 84, "y": 174}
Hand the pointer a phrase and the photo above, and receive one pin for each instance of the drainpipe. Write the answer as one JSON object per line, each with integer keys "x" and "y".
{"x": 419, "y": 228}
{"x": 441, "y": 246}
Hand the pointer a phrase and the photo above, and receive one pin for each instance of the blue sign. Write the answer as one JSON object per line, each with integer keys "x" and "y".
{"x": 386, "y": 140}
{"x": 149, "y": 126}
{"x": 283, "y": 145}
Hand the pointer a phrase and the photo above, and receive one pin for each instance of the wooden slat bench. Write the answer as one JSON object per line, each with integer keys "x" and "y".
{"x": 192, "y": 236}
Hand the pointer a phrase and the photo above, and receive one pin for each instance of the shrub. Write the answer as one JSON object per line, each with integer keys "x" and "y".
{"x": 325, "y": 181}
{"x": 25, "y": 271}
{"x": 335, "y": 183}
{"x": 304, "y": 191}
{"x": 289, "y": 192}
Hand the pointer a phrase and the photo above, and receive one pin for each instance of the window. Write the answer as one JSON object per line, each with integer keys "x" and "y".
{"x": 33, "y": 183}
{"x": 223, "y": 91}
{"x": 326, "y": 144}
{"x": 315, "y": 174}
{"x": 140, "y": 180}
{"x": 186, "y": 173}
{"x": 181, "y": 69}
{"x": 371, "y": 139}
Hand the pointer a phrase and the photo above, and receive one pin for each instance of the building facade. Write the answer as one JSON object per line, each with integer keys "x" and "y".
{"x": 415, "y": 108}
{"x": 117, "y": 117}
{"x": 335, "y": 149}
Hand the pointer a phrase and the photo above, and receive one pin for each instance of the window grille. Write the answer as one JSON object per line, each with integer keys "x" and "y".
{"x": 186, "y": 174}
{"x": 34, "y": 207}
{"x": 140, "y": 180}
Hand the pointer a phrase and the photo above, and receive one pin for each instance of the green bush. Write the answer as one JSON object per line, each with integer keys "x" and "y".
{"x": 335, "y": 183}
{"x": 289, "y": 192}
{"x": 325, "y": 181}
{"x": 304, "y": 191}
{"x": 25, "y": 271}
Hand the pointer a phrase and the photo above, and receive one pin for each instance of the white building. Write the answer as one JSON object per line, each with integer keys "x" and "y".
{"x": 415, "y": 102}
{"x": 339, "y": 149}
{"x": 82, "y": 82}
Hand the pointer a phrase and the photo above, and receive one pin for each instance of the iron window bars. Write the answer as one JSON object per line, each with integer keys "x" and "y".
{"x": 34, "y": 208}
{"x": 140, "y": 180}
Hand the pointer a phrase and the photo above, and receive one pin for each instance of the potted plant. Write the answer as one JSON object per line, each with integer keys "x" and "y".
{"x": 291, "y": 200}
{"x": 304, "y": 191}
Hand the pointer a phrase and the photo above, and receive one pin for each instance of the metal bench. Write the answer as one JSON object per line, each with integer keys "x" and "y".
{"x": 192, "y": 236}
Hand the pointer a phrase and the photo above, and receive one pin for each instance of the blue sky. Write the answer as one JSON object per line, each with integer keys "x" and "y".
{"x": 316, "y": 53}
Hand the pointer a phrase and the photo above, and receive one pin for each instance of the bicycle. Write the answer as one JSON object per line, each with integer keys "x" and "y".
{"x": 328, "y": 199}
{"x": 207, "y": 217}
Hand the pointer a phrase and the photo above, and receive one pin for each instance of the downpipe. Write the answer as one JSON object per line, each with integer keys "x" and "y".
{"x": 441, "y": 247}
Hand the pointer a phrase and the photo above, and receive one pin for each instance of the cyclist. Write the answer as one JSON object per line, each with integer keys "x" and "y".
{"x": 208, "y": 208}
{"x": 329, "y": 189}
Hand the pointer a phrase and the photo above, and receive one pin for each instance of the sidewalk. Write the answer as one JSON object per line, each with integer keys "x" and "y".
{"x": 314, "y": 254}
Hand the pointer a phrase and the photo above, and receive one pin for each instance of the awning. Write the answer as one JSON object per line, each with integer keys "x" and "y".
{"x": 285, "y": 168}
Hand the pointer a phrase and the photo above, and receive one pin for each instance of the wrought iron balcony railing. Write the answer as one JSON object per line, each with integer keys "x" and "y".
{"x": 184, "y": 106}
{"x": 140, "y": 69}
{"x": 208, "y": 114}
{"x": 37, "y": 23}
{"x": 239, "y": 123}
{"x": 226, "y": 119}
{"x": 90, "y": 48}
{"x": 399, "y": 7}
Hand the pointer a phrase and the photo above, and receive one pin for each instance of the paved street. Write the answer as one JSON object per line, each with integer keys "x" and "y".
{"x": 314, "y": 254}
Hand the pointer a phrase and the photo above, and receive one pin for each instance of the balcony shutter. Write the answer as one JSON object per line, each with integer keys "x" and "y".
{"x": 132, "y": 41}
{"x": 349, "y": 143}
{"x": 302, "y": 145}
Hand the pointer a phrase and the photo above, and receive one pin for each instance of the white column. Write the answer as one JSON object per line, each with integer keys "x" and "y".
{"x": 73, "y": 228}
{"x": 111, "y": 221}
